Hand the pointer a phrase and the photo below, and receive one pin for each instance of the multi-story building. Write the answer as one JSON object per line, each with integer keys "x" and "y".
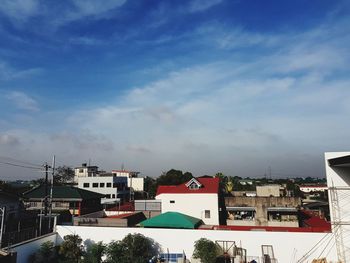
{"x": 135, "y": 183}
{"x": 85, "y": 171}
{"x": 112, "y": 187}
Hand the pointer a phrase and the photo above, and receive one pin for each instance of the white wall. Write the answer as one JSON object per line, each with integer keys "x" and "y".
{"x": 339, "y": 177}
{"x": 192, "y": 205}
{"x": 288, "y": 247}
{"x": 136, "y": 183}
{"x": 29, "y": 247}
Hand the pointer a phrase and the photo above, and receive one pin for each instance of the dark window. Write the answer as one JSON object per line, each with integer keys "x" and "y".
{"x": 115, "y": 185}
{"x": 102, "y": 184}
{"x": 109, "y": 184}
{"x": 108, "y": 196}
{"x": 113, "y": 195}
{"x": 81, "y": 170}
{"x": 86, "y": 185}
{"x": 172, "y": 201}
{"x": 207, "y": 213}
{"x": 94, "y": 185}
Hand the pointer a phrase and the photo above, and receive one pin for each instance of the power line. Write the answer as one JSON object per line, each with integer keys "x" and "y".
{"x": 23, "y": 166}
{"x": 13, "y": 160}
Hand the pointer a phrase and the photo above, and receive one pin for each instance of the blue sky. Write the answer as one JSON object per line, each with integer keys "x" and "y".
{"x": 197, "y": 85}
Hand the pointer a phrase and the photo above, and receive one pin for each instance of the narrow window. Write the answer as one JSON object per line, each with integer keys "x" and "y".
{"x": 113, "y": 195}
{"x": 207, "y": 213}
{"x": 172, "y": 201}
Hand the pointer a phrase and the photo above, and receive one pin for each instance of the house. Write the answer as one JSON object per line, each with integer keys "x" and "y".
{"x": 78, "y": 201}
{"x": 198, "y": 198}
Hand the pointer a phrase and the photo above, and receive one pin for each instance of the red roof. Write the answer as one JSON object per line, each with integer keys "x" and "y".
{"x": 209, "y": 186}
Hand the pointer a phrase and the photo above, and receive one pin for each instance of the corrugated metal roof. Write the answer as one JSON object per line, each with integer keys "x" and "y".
{"x": 172, "y": 220}
{"x": 62, "y": 192}
{"x": 209, "y": 186}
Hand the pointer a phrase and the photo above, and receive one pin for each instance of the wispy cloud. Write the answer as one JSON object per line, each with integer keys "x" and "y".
{"x": 202, "y": 5}
{"x": 23, "y": 101}
{"x": 9, "y": 73}
{"x": 19, "y": 10}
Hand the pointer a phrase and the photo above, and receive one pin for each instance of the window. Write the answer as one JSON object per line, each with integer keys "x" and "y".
{"x": 113, "y": 195}
{"x": 94, "y": 185}
{"x": 172, "y": 201}
{"x": 115, "y": 185}
{"x": 86, "y": 185}
{"x": 207, "y": 213}
{"x": 81, "y": 170}
{"x": 102, "y": 184}
{"x": 108, "y": 196}
{"x": 109, "y": 184}
{"x": 193, "y": 186}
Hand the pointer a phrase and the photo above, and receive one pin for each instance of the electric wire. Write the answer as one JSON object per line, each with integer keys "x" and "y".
{"x": 22, "y": 166}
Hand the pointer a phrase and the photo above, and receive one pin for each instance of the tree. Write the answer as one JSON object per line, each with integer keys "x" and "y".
{"x": 71, "y": 248}
{"x": 63, "y": 175}
{"x": 139, "y": 249}
{"x": 134, "y": 248}
{"x": 94, "y": 253}
{"x": 206, "y": 250}
{"x": 46, "y": 254}
{"x": 115, "y": 252}
{"x": 174, "y": 177}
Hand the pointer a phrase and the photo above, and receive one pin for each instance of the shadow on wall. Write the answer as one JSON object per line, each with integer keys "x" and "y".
{"x": 343, "y": 172}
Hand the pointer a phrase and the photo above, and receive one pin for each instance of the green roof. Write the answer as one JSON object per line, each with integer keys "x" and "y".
{"x": 172, "y": 220}
{"x": 62, "y": 192}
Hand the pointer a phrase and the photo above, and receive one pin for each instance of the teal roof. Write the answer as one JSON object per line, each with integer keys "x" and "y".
{"x": 172, "y": 220}
{"x": 62, "y": 192}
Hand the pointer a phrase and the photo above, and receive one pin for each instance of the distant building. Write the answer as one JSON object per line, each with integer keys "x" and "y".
{"x": 270, "y": 190}
{"x": 313, "y": 188}
{"x": 134, "y": 182}
{"x": 198, "y": 198}
{"x": 85, "y": 171}
{"x": 13, "y": 206}
{"x": 113, "y": 188}
{"x": 77, "y": 201}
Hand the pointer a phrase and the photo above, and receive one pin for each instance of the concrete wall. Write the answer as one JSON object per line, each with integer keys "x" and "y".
{"x": 339, "y": 178}
{"x": 268, "y": 190}
{"x": 193, "y": 205}
{"x": 288, "y": 246}
{"x": 27, "y": 248}
{"x": 136, "y": 183}
{"x": 261, "y": 204}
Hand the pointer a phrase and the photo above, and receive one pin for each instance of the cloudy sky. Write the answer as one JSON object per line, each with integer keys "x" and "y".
{"x": 197, "y": 85}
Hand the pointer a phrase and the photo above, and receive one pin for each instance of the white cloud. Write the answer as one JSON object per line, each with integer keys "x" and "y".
{"x": 9, "y": 73}
{"x": 202, "y": 5}
{"x": 23, "y": 101}
{"x": 20, "y": 10}
{"x": 8, "y": 139}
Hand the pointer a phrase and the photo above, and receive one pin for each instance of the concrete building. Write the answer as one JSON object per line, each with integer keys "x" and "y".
{"x": 269, "y": 190}
{"x": 85, "y": 171}
{"x": 134, "y": 182}
{"x": 197, "y": 198}
{"x": 262, "y": 211}
{"x": 113, "y": 188}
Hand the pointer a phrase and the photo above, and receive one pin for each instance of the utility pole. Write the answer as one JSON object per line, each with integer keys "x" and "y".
{"x": 46, "y": 188}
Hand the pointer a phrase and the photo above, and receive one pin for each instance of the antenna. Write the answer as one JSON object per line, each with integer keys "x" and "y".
{"x": 122, "y": 166}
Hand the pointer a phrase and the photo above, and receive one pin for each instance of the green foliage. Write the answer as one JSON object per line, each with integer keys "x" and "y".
{"x": 94, "y": 253}
{"x": 206, "y": 250}
{"x": 115, "y": 252}
{"x": 174, "y": 177}
{"x": 134, "y": 248}
{"x": 63, "y": 175}
{"x": 71, "y": 248}
{"x": 46, "y": 254}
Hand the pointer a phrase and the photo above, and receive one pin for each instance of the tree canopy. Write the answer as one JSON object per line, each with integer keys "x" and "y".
{"x": 206, "y": 250}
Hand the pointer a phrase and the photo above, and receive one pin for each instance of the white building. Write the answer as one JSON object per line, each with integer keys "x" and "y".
{"x": 197, "y": 198}
{"x": 313, "y": 188}
{"x": 85, "y": 171}
{"x": 112, "y": 187}
{"x": 134, "y": 182}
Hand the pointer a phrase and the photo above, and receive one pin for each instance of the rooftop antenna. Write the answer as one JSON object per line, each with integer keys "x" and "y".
{"x": 122, "y": 166}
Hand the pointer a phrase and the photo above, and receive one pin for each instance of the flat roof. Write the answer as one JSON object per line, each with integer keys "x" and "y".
{"x": 240, "y": 208}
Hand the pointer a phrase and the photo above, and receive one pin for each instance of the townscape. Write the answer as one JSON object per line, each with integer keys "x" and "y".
{"x": 213, "y": 211}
